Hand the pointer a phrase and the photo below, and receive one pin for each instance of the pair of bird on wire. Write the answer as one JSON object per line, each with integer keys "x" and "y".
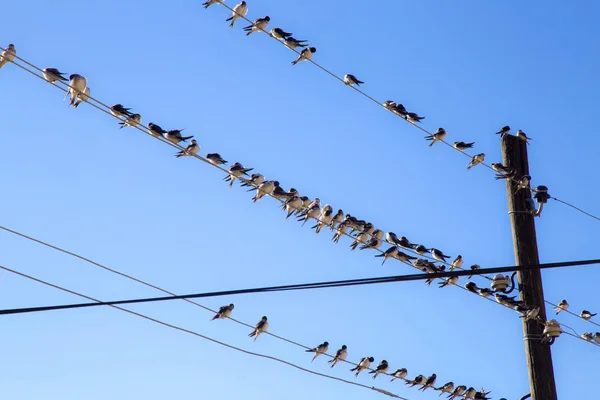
{"x": 78, "y": 89}
{"x": 563, "y": 305}
{"x": 440, "y": 134}
{"x": 225, "y": 312}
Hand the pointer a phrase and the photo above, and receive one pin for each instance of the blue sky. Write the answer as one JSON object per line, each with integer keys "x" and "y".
{"x": 73, "y": 178}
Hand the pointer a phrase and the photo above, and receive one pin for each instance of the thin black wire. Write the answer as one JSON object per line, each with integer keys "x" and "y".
{"x": 381, "y": 105}
{"x": 301, "y": 286}
{"x": 205, "y": 337}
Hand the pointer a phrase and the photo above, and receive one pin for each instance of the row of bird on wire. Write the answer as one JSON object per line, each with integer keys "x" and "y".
{"x": 365, "y": 364}
{"x": 584, "y": 314}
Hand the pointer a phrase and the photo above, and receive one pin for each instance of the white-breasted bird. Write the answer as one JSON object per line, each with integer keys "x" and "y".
{"x": 438, "y": 254}
{"x": 562, "y": 306}
{"x": 209, "y": 3}
{"x": 81, "y": 97}
{"x": 399, "y": 374}
{"x": 174, "y": 136}
{"x": 439, "y": 135}
{"x": 155, "y": 130}
{"x": 587, "y": 315}
{"x": 305, "y": 54}
{"x": 340, "y": 355}
{"x": 255, "y": 180}
{"x": 381, "y": 369}
{"x": 419, "y": 380}
{"x": 531, "y": 314}
{"x": 264, "y": 189}
{"x": 458, "y": 391}
{"x": 470, "y": 393}
{"x": 259, "y": 24}
{"x": 446, "y": 388}
{"x": 190, "y": 150}
{"x": 340, "y": 231}
{"x": 521, "y": 135}
{"x": 77, "y": 85}
{"x": 391, "y": 252}
{"x": 313, "y": 211}
{"x": 374, "y": 242}
{"x": 350, "y": 80}
{"x": 215, "y": 159}
{"x": 337, "y": 218}
{"x": 523, "y": 182}
{"x": 587, "y": 336}
{"x": 413, "y": 118}
{"x": 324, "y": 218}
{"x": 52, "y": 75}
{"x": 292, "y": 204}
{"x": 462, "y": 146}
{"x": 118, "y": 110}
{"x": 429, "y": 383}
{"x": 597, "y": 337}
{"x": 320, "y": 349}
{"x": 451, "y": 280}
{"x": 457, "y": 263}
{"x": 279, "y": 33}
{"x": 363, "y": 364}
{"x": 8, "y": 55}
{"x": 504, "y": 131}
{"x": 291, "y": 42}
{"x": 224, "y": 312}
{"x": 133, "y": 120}
{"x": 239, "y": 11}
{"x": 389, "y": 105}
{"x": 476, "y": 160}
{"x": 237, "y": 170}
{"x": 261, "y": 327}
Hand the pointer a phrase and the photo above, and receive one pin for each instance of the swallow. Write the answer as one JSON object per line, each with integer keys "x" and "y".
{"x": 485, "y": 292}
{"x": 439, "y": 135}
{"x": 457, "y": 263}
{"x": 431, "y": 268}
{"x": 521, "y": 135}
{"x": 474, "y": 267}
{"x": 312, "y": 211}
{"x": 209, "y": 3}
{"x": 504, "y": 131}
{"x": 224, "y": 312}
{"x": 476, "y": 160}
{"x": 261, "y": 327}
{"x": 363, "y": 236}
{"x": 8, "y": 55}
{"x": 597, "y": 337}
{"x": 350, "y": 80}
{"x": 155, "y": 130}
{"x": 216, "y": 159}
{"x": 509, "y": 174}
{"x": 392, "y": 252}
{"x": 451, "y": 280}
{"x": 562, "y": 306}
{"x": 419, "y": 380}
{"x": 320, "y": 349}
{"x": 52, "y": 75}
{"x": 499, "y": 167}
{"x": 585, "y": 314}
{"x": 505, "y": 300}
{"x": 531, "y": 314}
{"x": 363, "y": 364}
{"x": 255, "y": 180}
{"x": 381, "y": 369}
{"x": 292, "y": 42}
{"x": 429, "y": 383}
{"x": 587, "y": 336}
{"x": 399, "y": 374}
{"x": 279, "y": 33}
{"x": 340, "y": 355}
{"x": 462, "y": 146}
{"x": 174, "y": 136}
{"x": 481, "y": 395}
{"x": 77, "y": 85}
{"x": 400, "y": 110}
{"x": 447, "y": 388}
{"x": 458, "y": 391}
{"x": 292, "y": 204}
{"x": 133, "y": 121}
{"x": 337, "y": 218}
{"x": 403, "y": 257}
{"x": 81, "y": 97}
{"x": 471, "y": 287}
{"x": 279, "y": 193}
{"x": 340, "y": 231}
{"x": 523, "y": 182}
{"x": 374, "y": 242}
{"x": 420, "y": 249}
{"x": 438, "y": 255}
{"x": 264, "y": 189}
{"x": 324, "y": 219}
{"x": 259, "y": 24}
{"x": 469, "y": 393}
{"x": 239, "y": 11}
{"x": 117, "y": 110}
{"x": 413, "y": 118}
{"x": 190, "y": 150}
{"x": 237, "y": 170}
{"x": 389, "y": 105}
{"x": 305, "y": 54}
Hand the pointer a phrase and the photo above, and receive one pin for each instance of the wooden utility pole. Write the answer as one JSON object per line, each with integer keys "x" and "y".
{"x": 539, "y": 356}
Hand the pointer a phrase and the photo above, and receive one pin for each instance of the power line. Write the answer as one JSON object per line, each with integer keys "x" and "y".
{"x": 380, "y": 104}
{"x": 300, "y": 286}
{"x": 168, "y": 325}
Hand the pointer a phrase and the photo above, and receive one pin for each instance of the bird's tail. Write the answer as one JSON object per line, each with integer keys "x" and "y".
{"x": 229, "y": 19}
{"x": 354, "y": 245}
{"x": 252, "y": 334}
{"x": 294, "y": 62}
{"x": 215, "y": 317}
{"x": 179, "y": 154}
{"x": 185, "y": 138}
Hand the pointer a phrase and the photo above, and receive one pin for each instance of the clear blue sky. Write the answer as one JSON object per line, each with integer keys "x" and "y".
{"x": 73, "y": 178}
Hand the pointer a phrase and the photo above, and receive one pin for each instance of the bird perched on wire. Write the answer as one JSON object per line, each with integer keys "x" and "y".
{"x": 259, "y": 24}
{"x": 209, "y": 3}
{"x": 292, "y": 43}
{"x": 216, "y": 159}
{"x": 439, "y": 135}
{"x": 81, "y": 97}
{"x": 597, "y": 337}
{"x": 305, "y": 54}
{"x": 340, "y": 355}
{"x": 320, "y": 349}
{"x": 587, "y": 315}
{"x": 419, "y": 380}
{"x": 458, "y": 391}
{"x": 350, "y": 80}
{"x": 363, "y": 236}
{"x": 476, "y": 160}
{"x": 469, "y": 393}
{"x": 255, "y": 180}
{"x": 399, "y": 374}
{"x": 429, "y": 383}
{"x": 224, "y": 312}
{"x": 261, "y": 327}
{"x": 413, "y": 118}
{"x": 462, "y": 146}
{"x": 562, "y": 306}
{"x": 505, "y": 130}
{"x": 523, "y": 182}
{"x": 133, "y": 120}
{"x": 457, "y": 263}
{"x": 324, "y": 219}
{"x": 400, "y": 110}
{"x": 438, "y": 254}
{"x": 279, "y": 33}
{"x": 420, "y": 249}
{"x": 481, "y": 395}
{"x": 405, "y": 258}
{"x": 391, "y": 252}
{"x": 587, "y": 336}
{"x": 174, "y": 136}
{"x": 374, "y": 242}
{"x": 531, "y": 314}
{"x": 313, "y": 211}
{"x": 190, "y": 150}
{"x": 447, "y": 388}
{"x": 473, "y": 268}
{"x": 389, "y": 105}
{"x": 363, "y": 364}
{"x": 521, "y": 135}
{"x": 264, "y": 189}
{"x": 381, "y": 369}
{"x": 292, "y": 204}
{"x": 77, "y": 84}
{"x": 451, "y": 280}
{"x": 239, "y": 11}
{"x": 52, "y": 75}
{"x": 337, "y": 218}
{"x": 340, "y": 231}
{"x": 237, "y": 170}
{"x": 118, "y": 110}
{"x": 155, "y": 130}
{"x": 471, "y": 287}
{"x": 8, "y": 55}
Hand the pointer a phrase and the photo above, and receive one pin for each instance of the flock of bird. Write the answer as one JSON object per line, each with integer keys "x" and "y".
{"x": 584, "y": 314}
{"x": 365, "y": 364}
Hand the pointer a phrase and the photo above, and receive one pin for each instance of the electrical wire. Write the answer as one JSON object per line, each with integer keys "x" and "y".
{"x": 380, "y": 104}
{"x": 300, "y": 286}
{"x": 168, "y": 325}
